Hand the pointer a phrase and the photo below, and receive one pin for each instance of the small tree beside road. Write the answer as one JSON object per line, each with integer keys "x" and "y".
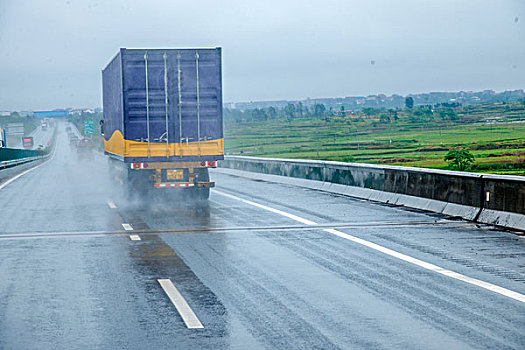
{"x": 460, "y": 159}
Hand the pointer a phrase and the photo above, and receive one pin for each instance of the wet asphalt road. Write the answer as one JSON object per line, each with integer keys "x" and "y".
{"x": 254, "y": 278}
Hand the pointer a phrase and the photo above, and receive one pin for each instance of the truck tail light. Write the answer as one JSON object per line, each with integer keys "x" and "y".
{"x": 212, "y": 164}
{"x": 139, "y": 165}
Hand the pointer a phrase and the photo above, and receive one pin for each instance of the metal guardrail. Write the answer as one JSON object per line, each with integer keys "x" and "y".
{"x": 11, "y": 163}
{"x": 10, "y": 157}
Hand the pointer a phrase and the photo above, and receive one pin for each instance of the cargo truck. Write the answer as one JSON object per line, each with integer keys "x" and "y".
{"x": 27, "y": 142}
{"x": 3, "y": 139}
{"x": 162, "y": 121}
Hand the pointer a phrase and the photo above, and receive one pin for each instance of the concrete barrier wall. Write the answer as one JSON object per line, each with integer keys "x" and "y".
{"x": 505, "y": 193}
{"x": 503, "y": 200}
{"x": 14, "y": 153}
{"x": 453, "y": 193}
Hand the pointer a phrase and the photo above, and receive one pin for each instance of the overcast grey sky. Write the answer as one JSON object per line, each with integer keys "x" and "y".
{"x": 52, "y": 51}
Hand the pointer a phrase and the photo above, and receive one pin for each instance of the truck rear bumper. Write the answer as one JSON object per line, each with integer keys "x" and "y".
{"x": 198, "y": 184}
{"x": 168, "y": 165}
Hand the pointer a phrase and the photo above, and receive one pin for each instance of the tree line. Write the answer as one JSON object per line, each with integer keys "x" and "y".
{"x": 291, "y": 111}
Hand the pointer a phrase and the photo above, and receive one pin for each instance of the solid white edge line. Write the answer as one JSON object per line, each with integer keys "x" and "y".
{"x": 431, "y": 267}
{"x": 22, "y": 174}
{"x": 111, "y": 204}
{"x": 185, "y": 311}
{"x": 127, "y": 227}
{"x": 134, "y": 237}
{"x": 273, "y": 210}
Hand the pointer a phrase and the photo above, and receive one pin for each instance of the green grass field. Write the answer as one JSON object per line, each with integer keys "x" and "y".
{"x": 494, "y": 134}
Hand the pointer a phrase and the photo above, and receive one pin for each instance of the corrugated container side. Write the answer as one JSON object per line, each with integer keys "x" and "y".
{"x": 112, "y": 103}
{"x": 170, "y": 104}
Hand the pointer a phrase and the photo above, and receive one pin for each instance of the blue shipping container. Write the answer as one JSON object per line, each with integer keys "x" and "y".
{"x": 163, "y": 105}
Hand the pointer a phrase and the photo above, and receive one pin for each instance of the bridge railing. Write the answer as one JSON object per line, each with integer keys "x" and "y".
{"x": 492, "y": 199}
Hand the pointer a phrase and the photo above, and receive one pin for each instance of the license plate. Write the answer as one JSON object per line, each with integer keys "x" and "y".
{"x": 174, "y": 174}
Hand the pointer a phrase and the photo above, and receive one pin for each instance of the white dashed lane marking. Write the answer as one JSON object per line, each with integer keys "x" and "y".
{"x": 127, "y": 227}
{"x": 185, "y": 311}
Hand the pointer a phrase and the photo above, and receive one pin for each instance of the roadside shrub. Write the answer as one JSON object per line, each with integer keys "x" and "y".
{"x": 460, "y": 159}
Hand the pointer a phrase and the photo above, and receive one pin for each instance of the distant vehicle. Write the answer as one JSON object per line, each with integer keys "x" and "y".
{"x": 27, "y": 142}
{"x": 73, "y": 140}
{"x": 163, "y": 123}
{"x": 3, "y": 139}
{"x": 84, "y": 149}
{"x": 44, "y": 125}
{"x": 68, "y": 128}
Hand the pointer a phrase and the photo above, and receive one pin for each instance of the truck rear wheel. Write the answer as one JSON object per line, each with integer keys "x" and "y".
{"x": 202, "y": 174}
{"x": 202, "y": 193}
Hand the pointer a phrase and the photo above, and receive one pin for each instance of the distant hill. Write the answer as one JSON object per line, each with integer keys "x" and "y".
{"x": 357, "y": 103}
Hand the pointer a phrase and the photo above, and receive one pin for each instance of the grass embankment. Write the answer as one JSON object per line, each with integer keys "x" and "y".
{"x": 494, "y": 134}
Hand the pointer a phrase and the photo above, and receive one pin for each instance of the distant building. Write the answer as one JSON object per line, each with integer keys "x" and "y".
{"x": 345, "y": 113}
{"x": 79, "y": 111}
{"x": 383, "y": 101}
